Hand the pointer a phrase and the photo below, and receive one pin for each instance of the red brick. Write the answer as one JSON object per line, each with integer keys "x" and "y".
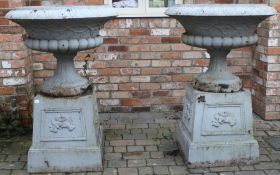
{"x": 129, "y": 86}
{"x": 110, "y": 40}
{"x": 139, "y": 47}
{"x": 182, "y": 77}
{"x": 140, "y": 32}
{"x": 129, "y": 55}
{"x": 171, "y": 100}
{"x": 273, "y": 50}
{"x": 171, "y": 55}
{"x": 150, "y": 55}
{"x": 140, "y": 78}
{"x": 180, "y": 47}
{"x": 238, "y": 61}
{"x": 150, "y": 39}
{"x": 161, "y": 47}
{"x": 151, "y": 101}
{"x": 119, "y": 63}
{"x": 172, "y": 70}
{"x": 43, "y": 58}
{"x": 17, "y": 63}
{"x": 119, "y": 79}
{"x": 200, "y": 62}
{"x": 10, "y": 37}
{"x": 121, "y": 94}
{"x": 271, "y": 76}
{"x": 260, "y": 65}
{"x": 130, "y": 40}
{"x": 7, "y": 90}
{"x": 118, "y": 48}
{"x": 43, "y": 73}
{"x": 10, "y": 46}
{"x": 140, "y": 63}
{"x": 4, "y": 21}
{"x": 149, "y": 86}
{"x": 50, "y": 65}
{"x": 11, "y": 29}
{"x": 35, "y": 3}
{"x": 141, "y": 94}
{"x": 161, "y": 63}
{"x": 224, "y": 1}
{"x": 181, "y": 63}
{"x": 130, "y": 71}
{"x": 95, "y": 2}
{"x": 98, "y": 64}
{"x": 98, "y": 79}
{"x": 272, "y": 115}
{"x": 4, "y": 4}
{"x": 161, "y": 93}
{"x": 277, "y": 7}
{"x": 130, "y": 102}
{"x": 108, "y": 71}
{"x": 171, "y": 39}
{"x": 151, "y": 71}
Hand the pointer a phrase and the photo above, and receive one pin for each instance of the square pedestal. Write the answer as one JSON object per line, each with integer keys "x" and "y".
{"x": 67, "y": 136}
{"x": 217, "y": 127}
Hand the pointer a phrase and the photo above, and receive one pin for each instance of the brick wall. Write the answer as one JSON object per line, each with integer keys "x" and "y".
{"x": 15, "y": 65}
{"x": 266, "y": 71}
{"x": 141, "y": 66}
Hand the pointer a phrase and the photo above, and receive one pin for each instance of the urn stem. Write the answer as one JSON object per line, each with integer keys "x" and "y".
{"x": 217, "y": 78}
{"x": 218, "y": 62}
{"x": 65, "y": 65}
{"x": 66, "y": 81}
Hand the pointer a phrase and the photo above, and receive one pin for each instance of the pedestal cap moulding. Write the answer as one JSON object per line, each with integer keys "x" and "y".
{"x": 63, "y": 31}
{"x": 219, "y": 28}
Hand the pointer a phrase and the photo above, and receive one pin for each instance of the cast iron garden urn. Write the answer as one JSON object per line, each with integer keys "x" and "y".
{"x": 67, "y": 135}
{"x": 217, "y": 122}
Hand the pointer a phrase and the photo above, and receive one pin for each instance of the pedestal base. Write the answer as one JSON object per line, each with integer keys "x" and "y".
{"x": 217, "y": 127}
{"x": 67, "y": 136}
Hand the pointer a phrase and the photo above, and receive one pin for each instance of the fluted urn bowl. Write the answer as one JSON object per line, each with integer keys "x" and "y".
{"x": 219, "y": 28}
{"x": 63, "y": 31}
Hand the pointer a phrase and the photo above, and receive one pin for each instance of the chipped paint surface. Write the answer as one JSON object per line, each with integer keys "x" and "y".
{"x": 61, "y": 12}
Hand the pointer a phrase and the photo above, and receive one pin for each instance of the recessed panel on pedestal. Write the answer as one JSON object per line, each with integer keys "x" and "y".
{"x": 62, "y": 125}
{"x": 187, "y": 118}
{"x": 223, "y": 119}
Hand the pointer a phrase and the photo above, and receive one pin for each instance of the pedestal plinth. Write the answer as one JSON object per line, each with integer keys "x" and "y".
{"x": 67, "y": 136}
{"x": 217, "y": 127}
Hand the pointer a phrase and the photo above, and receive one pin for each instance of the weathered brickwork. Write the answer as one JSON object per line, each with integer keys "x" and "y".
{"x": 15, "y": 65}
{"x": 142, "y": 65}
{"x": 266, "y": 71}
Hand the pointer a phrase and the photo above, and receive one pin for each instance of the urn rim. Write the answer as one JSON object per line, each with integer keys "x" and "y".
{"x": 220, "y": 10}
{"x": 61, "y": 12}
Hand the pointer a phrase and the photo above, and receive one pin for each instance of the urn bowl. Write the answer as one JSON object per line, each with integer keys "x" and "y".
{"x": 219, "y": 28}
{"x": 63, "y": 31}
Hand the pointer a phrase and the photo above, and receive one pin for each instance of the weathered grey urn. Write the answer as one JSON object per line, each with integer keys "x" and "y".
{"x": 63, "y": 31}
{"x": 67, "y": 135}
{"x": 217, "y": 126}
{"x": 219, "y": 28}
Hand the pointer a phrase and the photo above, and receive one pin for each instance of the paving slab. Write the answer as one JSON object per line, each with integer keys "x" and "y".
{"x": 130, "y": 151}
